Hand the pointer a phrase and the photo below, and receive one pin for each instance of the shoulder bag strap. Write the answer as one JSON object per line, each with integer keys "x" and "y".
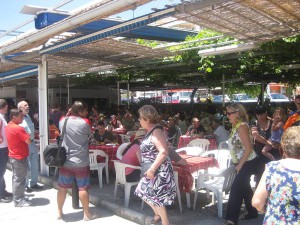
{"x": 151, "y": 131}
{"x": 63, "y": 132}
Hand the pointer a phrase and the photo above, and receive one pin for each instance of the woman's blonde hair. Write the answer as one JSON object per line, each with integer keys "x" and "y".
{"x": 236, "y": 107}
{"x": 290, "y": 142}
{"x": 148, "y": 112}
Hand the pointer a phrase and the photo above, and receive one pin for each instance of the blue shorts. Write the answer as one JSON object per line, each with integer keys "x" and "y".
{"x": 80, "y": 174}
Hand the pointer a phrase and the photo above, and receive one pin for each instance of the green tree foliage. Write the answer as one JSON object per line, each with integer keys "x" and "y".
{"x": 270, "y": 62}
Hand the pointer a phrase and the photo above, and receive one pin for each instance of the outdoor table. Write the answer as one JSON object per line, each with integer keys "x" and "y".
{"x": 119, "y": 131}
{"x": 184, "y": 140}
{"x": 194, "y": 163}
{"x": 110, "y": 150}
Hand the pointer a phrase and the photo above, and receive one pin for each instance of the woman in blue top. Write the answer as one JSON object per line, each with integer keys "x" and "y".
{"x": 278, "y": 192}
{"x": 245, "y": 161}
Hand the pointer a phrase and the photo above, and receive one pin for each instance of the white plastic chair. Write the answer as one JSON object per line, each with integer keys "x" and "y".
{"x": 222, "y": 156}
{"x": 194, "y": 151}
{"x": 223, "y": 145}
{"x": 121, "y": 179}
{"x": 94, "y": 165}
{"x": 201, "y": 143}
{"x": 124, "y": 138}
{"x": 121, "y": 149}
{"x": 177, "y": 191}
{"x": 220, "y": 183}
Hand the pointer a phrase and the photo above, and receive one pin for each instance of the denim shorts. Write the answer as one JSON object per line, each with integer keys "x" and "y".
{"x": 67, "y": 175}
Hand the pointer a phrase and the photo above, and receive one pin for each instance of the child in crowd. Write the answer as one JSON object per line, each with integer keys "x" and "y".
{"x": 276, "y": 133}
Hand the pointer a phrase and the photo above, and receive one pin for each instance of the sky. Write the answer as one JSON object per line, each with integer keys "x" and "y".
{"x": 10, "y": 16}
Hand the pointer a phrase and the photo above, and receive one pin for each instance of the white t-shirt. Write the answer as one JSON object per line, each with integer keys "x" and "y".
{"x": 221, "y": 134}
{"x": 3, "y": 134}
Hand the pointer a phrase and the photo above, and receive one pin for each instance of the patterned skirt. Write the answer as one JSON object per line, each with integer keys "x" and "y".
{"x": 159, "y": 191}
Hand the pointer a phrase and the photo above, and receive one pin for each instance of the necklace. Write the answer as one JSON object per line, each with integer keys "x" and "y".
{"x": 235, "y": 128}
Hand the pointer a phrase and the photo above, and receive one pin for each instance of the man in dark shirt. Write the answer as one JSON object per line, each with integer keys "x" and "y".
{"x": 103, "y": 135}
{"x": 195, "y": 128}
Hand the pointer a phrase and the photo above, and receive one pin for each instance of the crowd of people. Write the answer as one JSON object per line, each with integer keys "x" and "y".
{"x": 257, "y": 147}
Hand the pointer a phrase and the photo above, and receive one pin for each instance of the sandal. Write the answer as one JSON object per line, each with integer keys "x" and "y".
{"x": 155, "y": 221}
{"x": 228, "y": 222}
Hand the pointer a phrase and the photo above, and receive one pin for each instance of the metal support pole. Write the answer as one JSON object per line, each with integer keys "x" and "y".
{"x": 43, "y": 111}
{"x": 68, "y": 87}
{"x": 118, "y": 90}
{"x": 262, "y": 92}
{"x": 128, "y": 94}
{"x": 223, "y": 89}
{"x": 75, "y": 196}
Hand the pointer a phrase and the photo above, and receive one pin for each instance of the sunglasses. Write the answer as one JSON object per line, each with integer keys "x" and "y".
{"x": 229, "y": 113}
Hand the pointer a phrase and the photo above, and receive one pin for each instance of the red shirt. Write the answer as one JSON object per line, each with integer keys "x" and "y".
{"x": 16, "y": 137}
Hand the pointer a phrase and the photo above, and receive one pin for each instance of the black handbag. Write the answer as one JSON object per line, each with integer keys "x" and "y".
{"x": 54, "y": 154}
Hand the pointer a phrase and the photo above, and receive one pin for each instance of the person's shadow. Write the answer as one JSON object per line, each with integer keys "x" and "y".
{"x": 39, "y": 201}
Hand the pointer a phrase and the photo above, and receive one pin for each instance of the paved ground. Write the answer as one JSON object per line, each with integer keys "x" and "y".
{"x": 43, "y": 210}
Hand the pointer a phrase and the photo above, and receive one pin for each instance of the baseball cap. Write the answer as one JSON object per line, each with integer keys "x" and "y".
{"x": 140, "y": 134}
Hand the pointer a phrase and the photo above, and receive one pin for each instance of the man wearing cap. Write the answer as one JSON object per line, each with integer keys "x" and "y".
{"x": 131, "y": 156}
{"x": 294, "y": 119}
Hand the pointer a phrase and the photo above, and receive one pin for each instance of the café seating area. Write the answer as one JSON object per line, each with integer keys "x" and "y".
{"x": 203, "y": 163}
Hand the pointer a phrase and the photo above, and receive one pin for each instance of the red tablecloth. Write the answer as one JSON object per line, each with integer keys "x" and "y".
{"x": 184, "y": 140}
{"x": 194, "y": 163}
{"x": 110, "y": 150}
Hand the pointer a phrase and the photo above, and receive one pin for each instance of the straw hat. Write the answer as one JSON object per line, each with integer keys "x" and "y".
{"x": 140, "y": 133}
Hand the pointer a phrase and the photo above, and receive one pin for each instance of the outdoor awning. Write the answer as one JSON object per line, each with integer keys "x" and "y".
{"x": 245, "y": 20}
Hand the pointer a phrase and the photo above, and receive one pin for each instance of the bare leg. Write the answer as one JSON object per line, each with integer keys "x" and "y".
{"x": 156, "y": 213}
{"x": 163, "y": 215}
{"x": 61, "y": 197}
{"x": 84, "y": 199}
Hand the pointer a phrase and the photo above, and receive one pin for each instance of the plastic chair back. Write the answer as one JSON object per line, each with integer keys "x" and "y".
{"x": 120, "y": 150}
{"x": 121, "y": 179}
{"x": 94, "y": 165}
{"x": 194, "y": 151}
{"x": 202, "y": 143}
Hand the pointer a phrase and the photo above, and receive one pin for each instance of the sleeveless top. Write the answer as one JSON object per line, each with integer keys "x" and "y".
{"x": 235, "y": 145}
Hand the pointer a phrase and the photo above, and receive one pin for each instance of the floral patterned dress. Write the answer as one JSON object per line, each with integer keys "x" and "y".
{"x": 283, "y": 186}
{"x": 161, "y": 190}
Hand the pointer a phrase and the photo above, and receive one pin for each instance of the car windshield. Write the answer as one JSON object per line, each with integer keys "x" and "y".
{"x": 277, "y": 96}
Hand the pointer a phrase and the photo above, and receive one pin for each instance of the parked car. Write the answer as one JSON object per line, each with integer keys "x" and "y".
{"x": 219, "y": 98}
{"x": 276, "y": 97}
{"x": 243, "y": 98}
